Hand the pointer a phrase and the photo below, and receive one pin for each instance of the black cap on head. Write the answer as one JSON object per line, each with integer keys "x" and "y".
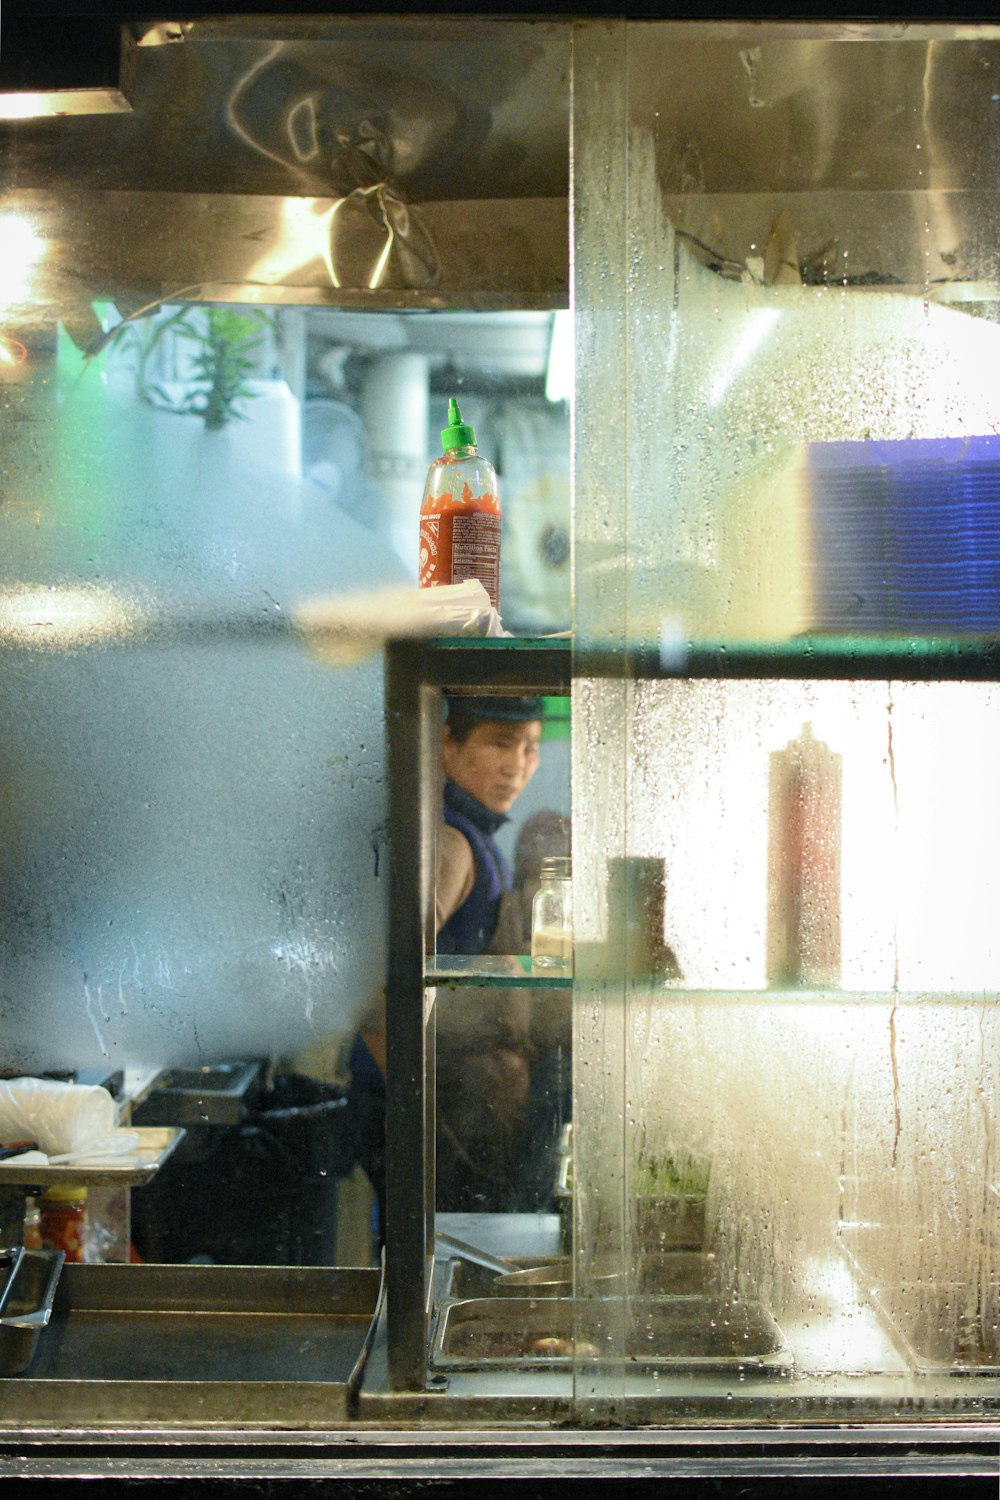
{"x": 519, "y": 710}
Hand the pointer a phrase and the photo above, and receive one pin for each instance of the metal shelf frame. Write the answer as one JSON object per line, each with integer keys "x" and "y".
{"x": 417, "y": 673}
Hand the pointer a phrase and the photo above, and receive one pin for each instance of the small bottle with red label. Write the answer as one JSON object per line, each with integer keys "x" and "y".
{"x": 460, "y": 514}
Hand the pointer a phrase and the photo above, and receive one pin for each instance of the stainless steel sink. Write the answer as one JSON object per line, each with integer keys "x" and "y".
{"x": 218, "y": 1094}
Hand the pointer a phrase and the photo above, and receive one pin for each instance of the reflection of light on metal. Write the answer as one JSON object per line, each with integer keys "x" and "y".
{"x": 25, "y": 105}
{"x": 380, "y": 264}
{"x": 20, "y": 248}
{"x": 55, "y": 617}
{"x": 559, "y": 374}
{"x": 241, "y": 87}
{"x": 301, "y": 124}
{"x": 328, "y": 243}
{"x": 383, "y": 258}
{"x": 390, "y": 234}
{"x": 302, "y": 246}
{"x": 304, "y": 238}
{"x": 12, "y": 351}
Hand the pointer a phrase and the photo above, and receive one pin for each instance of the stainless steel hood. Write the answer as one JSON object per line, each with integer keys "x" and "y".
{"x": 855, "y": 155}
{"x": 311, "y": 160}
{"x": 405, "y": 161}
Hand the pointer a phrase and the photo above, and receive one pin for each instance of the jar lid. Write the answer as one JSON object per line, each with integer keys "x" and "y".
{"x": 557, "y": 866}
{"x": 63, "y": 1192}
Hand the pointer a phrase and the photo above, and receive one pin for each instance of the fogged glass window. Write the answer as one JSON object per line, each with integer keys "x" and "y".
{"x": 194, "y": 850}
{"x": 809, "y": 307}
{"x": 795, "y": 1097}
{"x": 785, "y": 1046}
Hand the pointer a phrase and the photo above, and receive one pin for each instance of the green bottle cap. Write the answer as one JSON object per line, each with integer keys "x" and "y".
{"x": 457, "y": 434}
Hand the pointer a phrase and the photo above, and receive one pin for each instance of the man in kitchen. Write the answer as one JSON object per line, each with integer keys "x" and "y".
{"x": 489, "y": 751}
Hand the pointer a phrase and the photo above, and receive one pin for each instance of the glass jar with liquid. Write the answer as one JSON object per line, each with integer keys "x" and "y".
{"x": 552, "y": 917}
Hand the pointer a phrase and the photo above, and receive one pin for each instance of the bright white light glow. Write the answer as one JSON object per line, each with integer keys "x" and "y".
{"x": 63, "y": 616}
{"x": 25, "y": 105}
{"x": 920, "y": 832}
{"x": 758, "y": 325}
{"x": 303, "y": 238}
{"x": 559, "y": 375}
{"x": 843, "y": 1334}
{"x": 20, "y": 249}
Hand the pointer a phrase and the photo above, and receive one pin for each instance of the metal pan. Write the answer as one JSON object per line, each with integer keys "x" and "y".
{"x": 10, "y": 1260}
{"x": 683, "y": 1334}
{"x": 27, "y": 1307}
{"x": 192, "y": 1344}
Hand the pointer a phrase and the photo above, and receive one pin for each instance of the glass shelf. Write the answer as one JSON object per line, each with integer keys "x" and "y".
{"x": 844, "y": 657}
{"x": 514, "y": 643}
{"x": 675, "y": 992}
{"x": 899, "y": 658}
{"x": 509, "y": 971}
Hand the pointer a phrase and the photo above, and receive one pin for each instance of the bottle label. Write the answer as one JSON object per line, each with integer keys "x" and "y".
{"x": 475, "y": 551}
{"x": 455, "y": 546}
{"x": 430, "y": 552}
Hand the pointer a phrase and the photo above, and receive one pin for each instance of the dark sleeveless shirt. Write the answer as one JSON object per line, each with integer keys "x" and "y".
{"x": 471, "y": 926}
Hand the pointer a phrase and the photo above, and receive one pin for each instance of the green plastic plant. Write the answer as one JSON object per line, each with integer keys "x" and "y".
{"x": 672, "y": 1176}
{"x": 226, "y": 345}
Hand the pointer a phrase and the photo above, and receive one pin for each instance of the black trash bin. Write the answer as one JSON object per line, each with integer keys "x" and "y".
{"x": 262, "y": 1192}
{"x": 173, "y": 1216}
{"x": 286, "y": 1158}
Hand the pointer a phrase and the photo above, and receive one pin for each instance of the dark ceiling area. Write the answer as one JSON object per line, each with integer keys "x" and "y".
{"x": 65, "y": 52}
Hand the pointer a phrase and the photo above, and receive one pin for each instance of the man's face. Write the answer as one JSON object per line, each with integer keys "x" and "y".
{"x": 496, "y": 761}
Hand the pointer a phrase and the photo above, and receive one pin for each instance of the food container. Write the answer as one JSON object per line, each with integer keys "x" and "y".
{"x": 669, "y": 1215}
{"x": 133, "y": 1168}
{"x": 552, "y": 917}
{"x": 943, "y": 1328}
{"x": 684, "y": 1334}
{"x": 27, "y": 1307}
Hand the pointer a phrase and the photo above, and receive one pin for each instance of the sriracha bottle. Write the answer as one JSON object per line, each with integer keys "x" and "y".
{"x": 460, "y": 513}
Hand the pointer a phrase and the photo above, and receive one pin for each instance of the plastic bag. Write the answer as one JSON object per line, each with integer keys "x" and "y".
{"x": 57, "y": 1116}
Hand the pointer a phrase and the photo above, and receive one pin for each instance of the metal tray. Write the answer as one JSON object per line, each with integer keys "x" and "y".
{"x": 938, "y": 1327}
{"x": 676, "y": 1273}
{"x": 683, "y": 1334}
{"x": 180, "y": 1344}
{"x": 935, "y": 1332}
{"x": 27, "y": 1307}
{"x": 131, "y": 1169}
